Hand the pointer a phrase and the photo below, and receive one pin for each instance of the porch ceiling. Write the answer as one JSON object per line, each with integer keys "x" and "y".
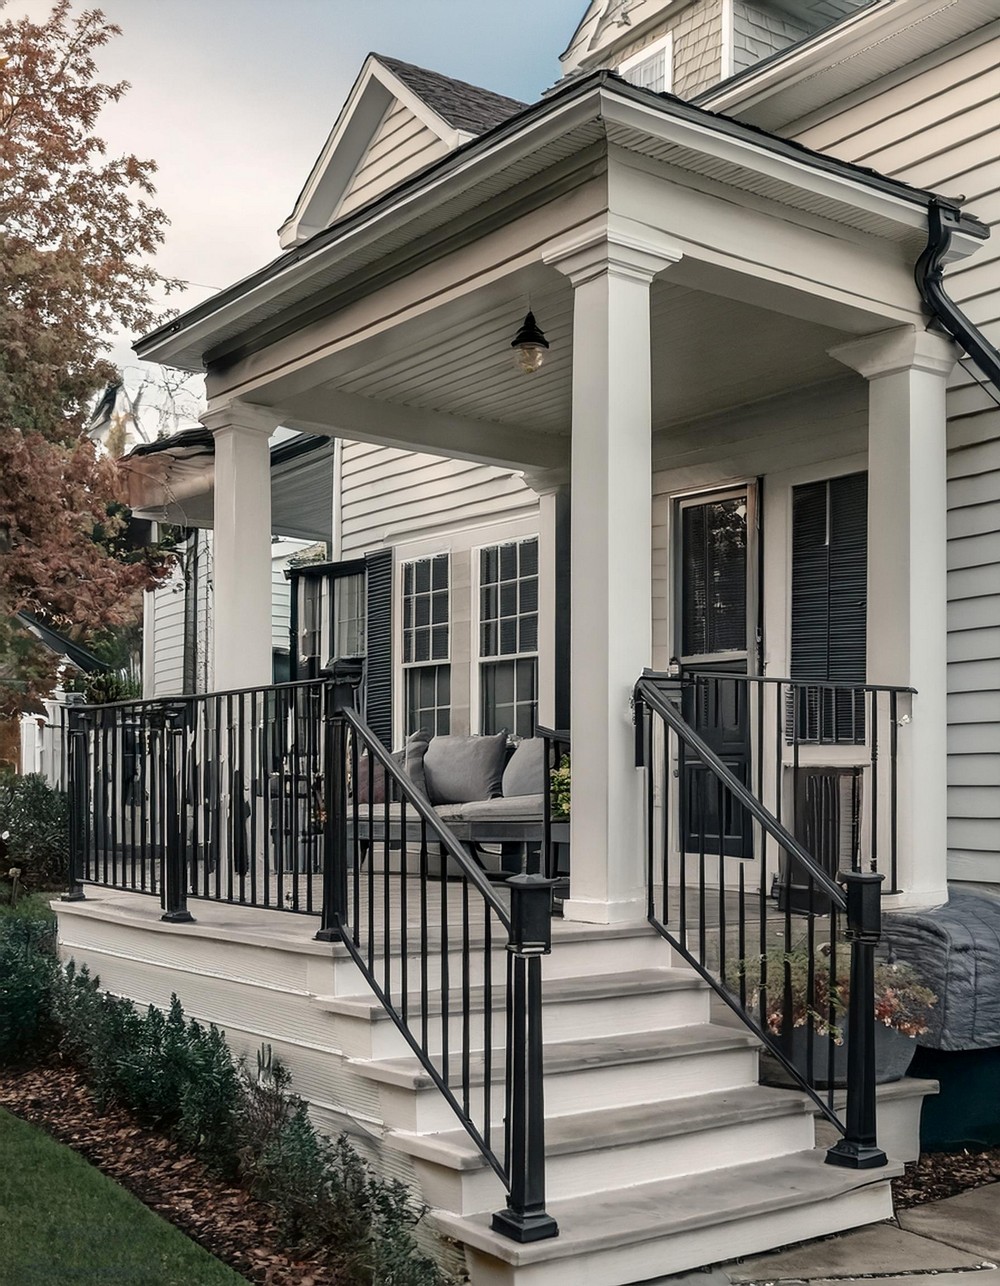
{"x": 709, "y": 354}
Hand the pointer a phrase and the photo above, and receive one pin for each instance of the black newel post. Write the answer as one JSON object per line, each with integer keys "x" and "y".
{"x": 525, "y": 1218}
{"x": 341, "y": 693}
{"x": 859, "y": 1148}
{"x": 173, "y": 884}
{"x": 79, "y": 772}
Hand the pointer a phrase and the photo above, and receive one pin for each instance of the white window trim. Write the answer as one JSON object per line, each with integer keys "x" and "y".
{"x": 476, "y": 657}
{"x": 664, "y": 45}
{"x": 399, "y": 689}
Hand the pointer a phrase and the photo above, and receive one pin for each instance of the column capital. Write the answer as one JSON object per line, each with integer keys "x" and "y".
{"x": 546, "y": 482}
{"x": 242, "y": 415}
{"x": 903, "y": 348}
{"x": 612, "y": 251}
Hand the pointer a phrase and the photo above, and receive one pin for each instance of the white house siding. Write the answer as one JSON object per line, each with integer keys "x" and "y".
{"x": 906, "y": 126}
{"x": 697, "y": 33}
{"x": 402, "y": 144}
{"x": 163, "y": 620}
{"x": 758, "y": 33}
{"x": 388, "y": 495}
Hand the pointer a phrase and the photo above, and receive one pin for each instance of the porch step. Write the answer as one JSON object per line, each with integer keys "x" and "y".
{"x": 630, "y": 1068}
{"x": 611, "y": 1004}
{"x": 651, "y": 1230}
{"x": 608, "y": 1147}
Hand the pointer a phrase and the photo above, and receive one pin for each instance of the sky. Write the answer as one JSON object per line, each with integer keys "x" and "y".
{"x": 234, "y": 99}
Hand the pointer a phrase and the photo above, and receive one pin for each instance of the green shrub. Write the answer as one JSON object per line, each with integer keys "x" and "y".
{"x": 37, "y": 818}
{"x": 27, "y": 972}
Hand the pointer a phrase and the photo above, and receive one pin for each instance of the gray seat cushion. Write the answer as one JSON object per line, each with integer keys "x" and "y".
{"x": 525, "y": 773}
{"x": 513, "y": 808}
{"x": 461, "y": 769}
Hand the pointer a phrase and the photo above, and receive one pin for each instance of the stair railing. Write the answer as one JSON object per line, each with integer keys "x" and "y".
{"x": 422, "y": 923}
{"x": 715, "y": 909}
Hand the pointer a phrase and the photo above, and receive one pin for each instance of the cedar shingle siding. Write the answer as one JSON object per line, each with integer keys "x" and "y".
{"x": 758, "y": 33}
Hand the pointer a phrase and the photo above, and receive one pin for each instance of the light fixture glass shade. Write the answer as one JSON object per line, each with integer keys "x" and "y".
{"x": 529, "y": 345}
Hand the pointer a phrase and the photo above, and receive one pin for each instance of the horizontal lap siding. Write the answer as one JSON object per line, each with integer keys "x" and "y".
{"x": 938, "y": 126}
{"x": 401, "y": 146}
{"x": 389, "y": 495}
{"x": 167, "y": 624}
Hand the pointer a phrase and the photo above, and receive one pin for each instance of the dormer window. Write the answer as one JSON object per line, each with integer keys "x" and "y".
{"x": 652, "y": 67}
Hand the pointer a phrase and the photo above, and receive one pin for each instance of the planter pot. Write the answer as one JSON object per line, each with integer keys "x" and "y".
{"x": 893, "y": 1054}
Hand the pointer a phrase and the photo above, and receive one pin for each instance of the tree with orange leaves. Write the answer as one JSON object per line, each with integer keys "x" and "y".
{"x": 77, "y": 231}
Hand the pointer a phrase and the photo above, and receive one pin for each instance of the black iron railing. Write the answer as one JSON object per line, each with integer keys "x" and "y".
{"x": 786, "y": 967}
{"x": 821, "y": 756}
{"x": 283, "y": 798}
{"x": 403, "y": 894}
{"x": 215, "y": 796}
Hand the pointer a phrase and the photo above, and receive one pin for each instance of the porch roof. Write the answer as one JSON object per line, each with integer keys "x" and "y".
{"x": 589, "y": 110}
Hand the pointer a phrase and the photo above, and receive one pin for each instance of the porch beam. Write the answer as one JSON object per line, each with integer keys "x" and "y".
{"x": 907, "y": 372}
{"x": 242, "y": 546}
{"x": 611, "y": 621}
{"x": 411, "y": 428}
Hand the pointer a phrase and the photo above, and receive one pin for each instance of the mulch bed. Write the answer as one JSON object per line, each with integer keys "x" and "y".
{"x": 222, "y": 1218}
{"x": 945, "y": 1174}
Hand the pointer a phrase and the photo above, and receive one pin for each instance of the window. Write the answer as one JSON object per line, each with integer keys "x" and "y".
{"x": 714, "y": 576}
{"x": 426, "y": 643}
{"x": 652, "y": 67}
{"x": 349, "y": 615}
{"x": 508, "y": 636}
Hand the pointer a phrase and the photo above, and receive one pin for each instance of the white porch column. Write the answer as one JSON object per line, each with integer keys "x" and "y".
{"x": 551, "y": 486}
{"x": 610, "y": 596}
{"x": 908, "y": 371}
{"x": 242, "y": 546}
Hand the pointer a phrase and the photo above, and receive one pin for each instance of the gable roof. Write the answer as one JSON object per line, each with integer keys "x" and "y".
{"x": 444, "y": 111}
{"x": 466, "y": 107}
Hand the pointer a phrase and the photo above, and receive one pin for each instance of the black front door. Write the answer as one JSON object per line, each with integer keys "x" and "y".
{"x": 716, "y": 600}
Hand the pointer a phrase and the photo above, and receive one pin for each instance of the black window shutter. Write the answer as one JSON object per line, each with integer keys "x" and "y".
{"x": 830, "y": 579}
{"x": 378, "y": 666}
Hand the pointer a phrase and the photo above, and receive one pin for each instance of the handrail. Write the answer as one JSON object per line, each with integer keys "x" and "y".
{"x": 698, "y": 852}
{"x": 648, "y": 692}
{"x": 832, "y": 685}
{"x": 384, "y": 913}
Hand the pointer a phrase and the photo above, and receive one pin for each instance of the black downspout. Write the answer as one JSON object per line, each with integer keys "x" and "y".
{"x": 943, "y": 220}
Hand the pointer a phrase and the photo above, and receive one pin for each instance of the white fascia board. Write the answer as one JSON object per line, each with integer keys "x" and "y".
{"x": 837, "y": 44}
{"x": 497, "y": 157}
{"x": 374, "y": 90}
{"x": 757, "y": 157}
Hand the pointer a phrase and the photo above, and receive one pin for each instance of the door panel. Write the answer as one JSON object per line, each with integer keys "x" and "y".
{"x": 716, "y": 609}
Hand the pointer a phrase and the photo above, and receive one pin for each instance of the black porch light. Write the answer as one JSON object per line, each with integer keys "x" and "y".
{"x": 529, "y": 345}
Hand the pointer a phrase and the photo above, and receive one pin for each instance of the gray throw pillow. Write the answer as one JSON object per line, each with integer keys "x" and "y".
{"x": 525, "y": 774}
{"x": 461, "y": 769}
{"x": 414, "y": 754}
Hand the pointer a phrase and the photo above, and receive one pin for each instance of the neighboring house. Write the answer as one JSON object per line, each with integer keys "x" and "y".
{"x": 749, "y": 451}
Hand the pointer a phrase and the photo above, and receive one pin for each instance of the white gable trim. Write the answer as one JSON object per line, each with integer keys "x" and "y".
{"x": 373, "y": 94}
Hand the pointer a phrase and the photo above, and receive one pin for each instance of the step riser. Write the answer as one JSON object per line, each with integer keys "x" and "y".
{"x": 568, "y": 959}
{"x": 561, "y": 1020}
{"x": 424, "y": 1111}
{"x": 661, "y": 1257}
{"x": 607, "y": 1169}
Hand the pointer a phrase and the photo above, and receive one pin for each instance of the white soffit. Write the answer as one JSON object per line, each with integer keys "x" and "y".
{"x": 874, "y": 42}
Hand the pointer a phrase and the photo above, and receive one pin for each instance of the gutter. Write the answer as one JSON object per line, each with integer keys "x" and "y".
{"x": 944, "y": 220}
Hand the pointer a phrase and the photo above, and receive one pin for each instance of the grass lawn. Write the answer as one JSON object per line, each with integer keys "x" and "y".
{"x": 63, "y": 1222}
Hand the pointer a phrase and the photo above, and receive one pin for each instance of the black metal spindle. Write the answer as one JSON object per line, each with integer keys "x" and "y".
{"x": 173, "y": 882}
{"x": 78, "y": 774}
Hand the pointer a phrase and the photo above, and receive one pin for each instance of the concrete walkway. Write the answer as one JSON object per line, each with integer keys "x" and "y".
{"x": 949, "y": 1243}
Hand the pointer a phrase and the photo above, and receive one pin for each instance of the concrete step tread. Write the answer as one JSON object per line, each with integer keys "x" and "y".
{"x": 658, "y": 1211}
{"x": 635, "y": 982}
{"x": 611, "y": 1127}
{"x": 573, "y": 1055}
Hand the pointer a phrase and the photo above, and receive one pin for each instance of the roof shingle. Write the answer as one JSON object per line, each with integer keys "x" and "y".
{"x": 463, "y": 106}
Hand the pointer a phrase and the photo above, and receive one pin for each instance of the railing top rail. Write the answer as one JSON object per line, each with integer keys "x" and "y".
{"x": 425, "y": 810}
{"x": 833, "y": 684}
{"x": 646, "y": 690}
{"x": 158, "y": 703}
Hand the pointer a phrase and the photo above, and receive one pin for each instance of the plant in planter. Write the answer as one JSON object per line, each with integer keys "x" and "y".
{"x": 799, "y": 1002}
{"x": 560, "y": 780}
